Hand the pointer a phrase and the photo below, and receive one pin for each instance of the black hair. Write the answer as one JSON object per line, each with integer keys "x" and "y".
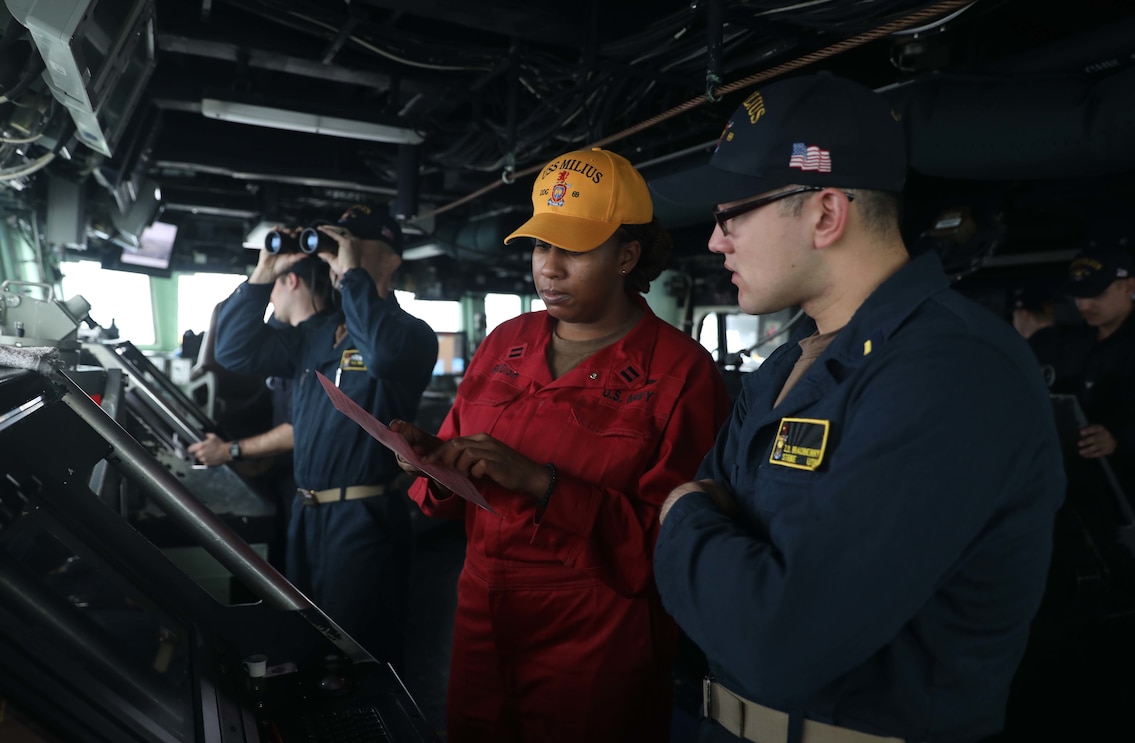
{"x": 654, "y": 253}
{"x": 315, "y": 273}
{"x": 881, "y": 210}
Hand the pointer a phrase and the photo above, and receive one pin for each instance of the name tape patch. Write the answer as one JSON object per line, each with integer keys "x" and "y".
{"x": 352, "y": 360}
{"x": 800, "y": 443}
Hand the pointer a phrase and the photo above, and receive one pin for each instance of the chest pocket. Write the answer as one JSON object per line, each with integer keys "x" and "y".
{"x": 610, "y": 443}
{"x": 790, "y": 459}
{"x": 351, "y": 376}
{"x": 487, "y": 396}
{"x": 778, "y": 487}
{"x": 605, "y": 420}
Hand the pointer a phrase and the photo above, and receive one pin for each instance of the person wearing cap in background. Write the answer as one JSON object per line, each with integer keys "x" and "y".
{"x": 298, "y": 293}
{"x": 575, "y": 423}
{"x": 861, "y": 553}
{"x": 1058, "y": 349}
{"x": 1101, "y": 280}
{"x": 349, "y": 535}
{"x": 303, "y": 290}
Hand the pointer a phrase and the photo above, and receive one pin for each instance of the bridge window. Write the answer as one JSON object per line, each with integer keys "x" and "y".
{"x": 499, "y": 308}
{"x": 115, "y": 296}
{"x": 748, "y": 339}
{"x": 198, "y": 294}
{"x": 442, "y": 316}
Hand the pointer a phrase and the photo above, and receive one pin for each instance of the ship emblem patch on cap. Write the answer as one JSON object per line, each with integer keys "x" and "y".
{"x": 559, "y": 190}
{"x": 810, "y": 157}
{"x": 357, "y": 210}
{"x": 1083, "y": 268}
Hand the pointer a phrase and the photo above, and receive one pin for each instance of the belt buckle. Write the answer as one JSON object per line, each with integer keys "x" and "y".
{"x": 706, "y": 697}
{"x": 307, "y": 497}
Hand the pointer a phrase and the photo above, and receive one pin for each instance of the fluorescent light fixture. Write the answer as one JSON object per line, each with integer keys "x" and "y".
{"x": 256, "y": 236}
{"x": 296, "y": 121}
{"x": 424, "y": 250}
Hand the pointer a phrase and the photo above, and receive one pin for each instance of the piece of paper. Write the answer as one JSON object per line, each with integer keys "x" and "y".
{"x": 447, "y": 476}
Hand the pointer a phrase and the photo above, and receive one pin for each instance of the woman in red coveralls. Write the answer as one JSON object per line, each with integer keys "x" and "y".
{"x": 575, "y": 423}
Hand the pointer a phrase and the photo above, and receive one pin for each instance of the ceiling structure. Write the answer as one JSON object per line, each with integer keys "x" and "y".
{"x": 444, "y": 109}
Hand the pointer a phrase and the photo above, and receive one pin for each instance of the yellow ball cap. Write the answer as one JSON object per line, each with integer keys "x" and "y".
{"x": 581, "y": 198}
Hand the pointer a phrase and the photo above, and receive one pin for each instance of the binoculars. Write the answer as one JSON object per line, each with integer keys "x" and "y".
{"x": 310, "y": 241}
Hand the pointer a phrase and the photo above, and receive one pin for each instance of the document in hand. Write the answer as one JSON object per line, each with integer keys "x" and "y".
{"x": 447, "y": 476}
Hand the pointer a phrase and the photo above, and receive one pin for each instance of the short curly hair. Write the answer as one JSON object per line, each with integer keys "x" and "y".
{"x": 654, "y": 254}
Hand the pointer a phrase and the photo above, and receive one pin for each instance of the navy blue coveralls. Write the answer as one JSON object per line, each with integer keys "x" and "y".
{"x": 1107, "y": 391}
{"x": 352, "y": 557}
{"x": 893, "y": 528}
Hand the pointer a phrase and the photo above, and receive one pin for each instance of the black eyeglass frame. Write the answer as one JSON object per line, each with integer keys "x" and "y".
{"x": 721, "y": 216}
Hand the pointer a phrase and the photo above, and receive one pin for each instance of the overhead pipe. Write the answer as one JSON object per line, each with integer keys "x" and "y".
{"x": 1051, "y": 127}
{"x": 914, "y": 19}
{"x": 409, "y": 168}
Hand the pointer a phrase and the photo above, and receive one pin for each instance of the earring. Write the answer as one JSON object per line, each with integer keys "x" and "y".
{"x": 623, "y": 272}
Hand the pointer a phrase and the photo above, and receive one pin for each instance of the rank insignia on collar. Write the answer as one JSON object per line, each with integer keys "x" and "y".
{"x": 800, "y": 443}
{"x": 630, "y": 374}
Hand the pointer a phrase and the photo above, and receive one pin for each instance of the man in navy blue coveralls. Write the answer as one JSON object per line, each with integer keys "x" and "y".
{"x": 349, "y": 536}
{"x": 867, "y": 542}
{"x": 1101, "y": 281}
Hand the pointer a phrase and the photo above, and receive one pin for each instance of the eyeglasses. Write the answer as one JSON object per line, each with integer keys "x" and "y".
{"x": 724, "y": 215}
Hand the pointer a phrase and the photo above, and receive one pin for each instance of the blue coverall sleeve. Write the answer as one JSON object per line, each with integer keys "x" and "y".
{"x": 245, "y": 343}
{"x": 393, "y": 343}
{"x": 824, "y": 568}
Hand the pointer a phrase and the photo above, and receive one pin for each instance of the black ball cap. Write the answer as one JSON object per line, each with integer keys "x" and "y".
{"x": 1093, "y": 270}
{"x": 815, "y": 130}
{"x": 373, "y": 223}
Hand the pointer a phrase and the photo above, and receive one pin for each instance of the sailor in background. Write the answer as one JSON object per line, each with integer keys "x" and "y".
{"x": 1101, "y": 279}
{"x": 349, "y": 537}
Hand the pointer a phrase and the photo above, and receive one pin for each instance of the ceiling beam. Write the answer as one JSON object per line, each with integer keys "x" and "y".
{"x": 556, "y": 25}
{"x": 288, "y": 64}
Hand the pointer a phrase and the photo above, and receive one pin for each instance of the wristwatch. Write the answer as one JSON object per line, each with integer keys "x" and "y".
{"x": 234, "y": 450}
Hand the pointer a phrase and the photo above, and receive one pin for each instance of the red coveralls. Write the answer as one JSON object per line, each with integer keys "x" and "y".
{"x": 559, "y": 633}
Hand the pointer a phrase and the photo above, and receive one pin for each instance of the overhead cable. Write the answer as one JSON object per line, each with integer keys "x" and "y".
{"x": 918, "y": 17}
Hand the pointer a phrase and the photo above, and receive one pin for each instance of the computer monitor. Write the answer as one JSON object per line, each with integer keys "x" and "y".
{"x": 155, "y": 247}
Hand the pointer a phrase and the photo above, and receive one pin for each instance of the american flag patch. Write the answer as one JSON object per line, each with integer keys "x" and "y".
{"x": 517, "y": 351}
{"x": 810, "y": 158}
{"x": 630, "y": 374}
